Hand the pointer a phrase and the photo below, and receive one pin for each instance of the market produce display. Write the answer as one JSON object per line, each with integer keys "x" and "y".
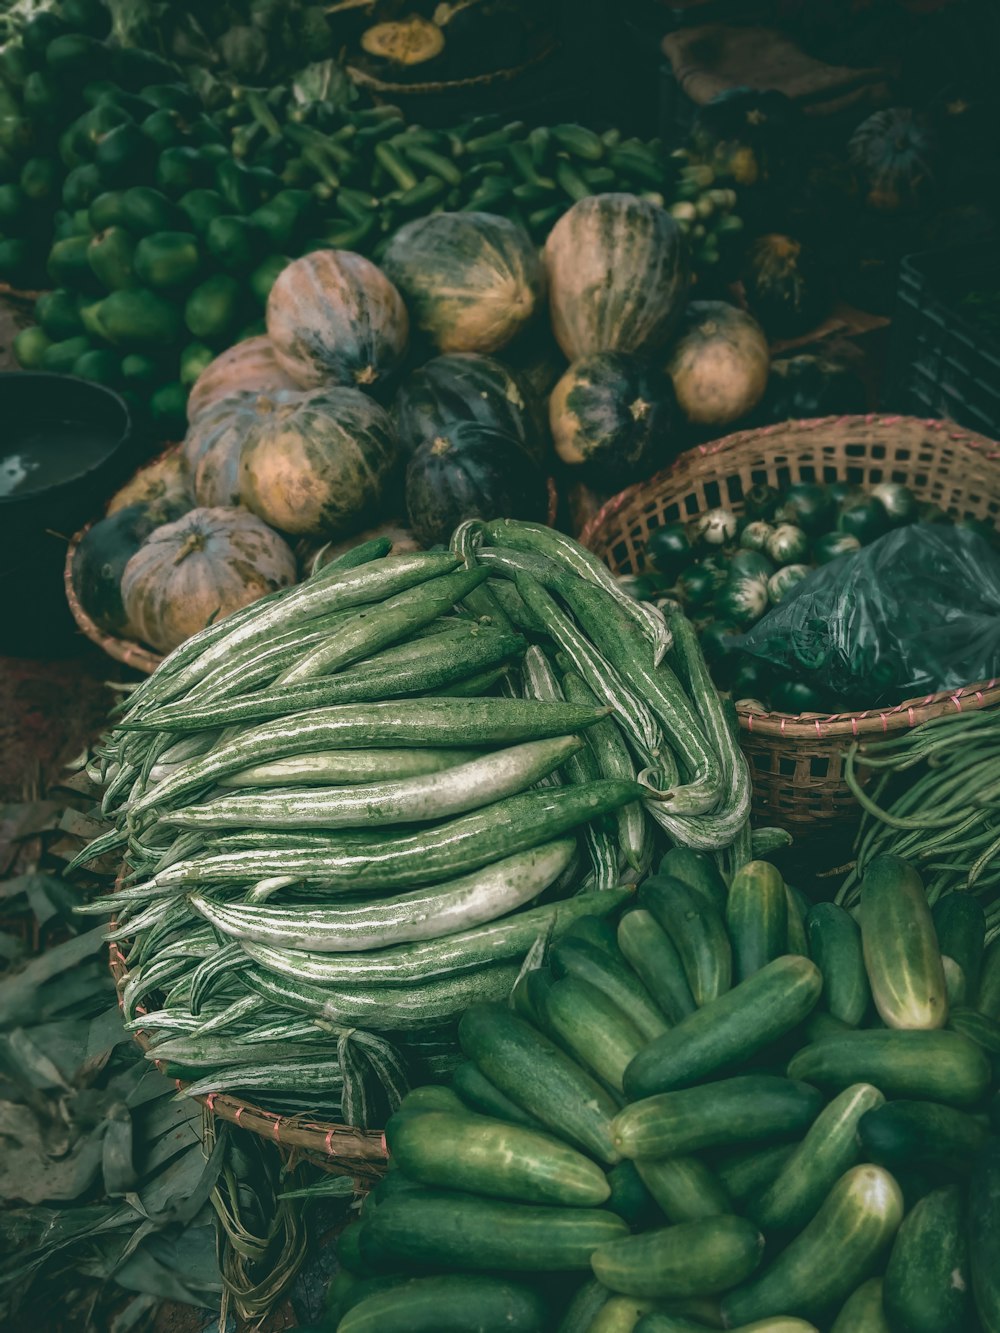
{"x": 332, "y": 823}
{"x": 725, "y": 1109}
{"x": 727, "y": 570}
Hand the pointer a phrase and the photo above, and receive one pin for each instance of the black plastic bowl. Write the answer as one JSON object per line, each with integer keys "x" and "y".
{"x": 78, "y": 437}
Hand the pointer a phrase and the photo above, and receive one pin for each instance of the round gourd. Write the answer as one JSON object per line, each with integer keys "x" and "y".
{"x": 195, "y": 571}
{"x": 471, "y": 280}
{"x": 214, "y": 444}
{"x": 617, "y": 274}
{"x": 250, "y": 364}
{"x": 334, "y": 318}
{"x": 612, "y": 419}
{"x": 896, "y": 154}
{"x": 464, "y": 386}
{"x": 166, "y": 481}
{"x": 471, "y": 471}
{"x": 718, "y": 364}
{"x": 403, "y": 541}
{"x": 318, "y": 464}
{"x": 104, "y": 551}
{"x": 786, "y": 284}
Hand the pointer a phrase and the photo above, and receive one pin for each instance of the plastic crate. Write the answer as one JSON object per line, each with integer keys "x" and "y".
{"x": 943, "y": 363}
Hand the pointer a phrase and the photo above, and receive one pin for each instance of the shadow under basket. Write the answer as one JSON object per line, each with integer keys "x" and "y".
{"x": 797, "y": 760}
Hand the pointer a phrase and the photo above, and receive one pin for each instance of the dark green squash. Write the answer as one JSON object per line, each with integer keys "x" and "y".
{"x": 811, "y": 386}
{"x": 104, "y": 551}
{"x": 463, "y": 386}
{"x": 471, "y": 471}
{"x": 787, "y": 285}
{"x": 613, "y": 419}
{"x": 747, "y": 136}
{"x": 897, "y": 156}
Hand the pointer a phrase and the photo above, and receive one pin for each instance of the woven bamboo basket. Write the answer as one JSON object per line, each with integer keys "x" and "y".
{"x": 336, "y": 1149}
{"x": 137, "y": 655}
{"x": 797, "y": 761}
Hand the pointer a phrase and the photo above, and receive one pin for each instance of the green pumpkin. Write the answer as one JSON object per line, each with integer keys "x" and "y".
{"x": 786, "y": 284}
{"x": 612, "y": 419}
{"x": 334, "y": 318}
{"x": 471, "y": 471}
{"x": 897, "y": 156}
{"x": 199, "y": 569}
{"x": 617, "y": 274}
{"x": 317, "y": 464}
{"x": 104, "y": 551}
{"x": 471, "y": 281}
{"x": 213, "y": 446}
{"x": 464, "y": 386}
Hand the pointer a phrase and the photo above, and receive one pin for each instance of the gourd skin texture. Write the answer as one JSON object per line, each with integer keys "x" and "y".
{"x": 317, "y": 464}
{"x": 213, "y": 446}
{"x": 618, "y": 276}
{"x": 166, "y": 481}
{"x": 719, "y": 364}
{"x": 198, "y": 569}
{"x": 334, "y": 318}
{"x": 471, "y": 280}
{"x": 250, "y": 365}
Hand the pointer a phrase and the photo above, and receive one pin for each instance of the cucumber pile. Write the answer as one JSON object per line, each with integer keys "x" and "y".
{"x": 731, "y": 1109}
{"x": 727, "y": 570}
{"x": 333, "y": 825}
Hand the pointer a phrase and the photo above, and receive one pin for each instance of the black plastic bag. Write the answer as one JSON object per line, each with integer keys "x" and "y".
{"x": 916, "y": 612}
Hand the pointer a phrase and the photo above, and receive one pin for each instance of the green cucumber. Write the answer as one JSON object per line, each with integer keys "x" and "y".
{"x": 698, "y": 933}
{"x": 902, "y": 957}
{"x": 960, "y": 922}
{"x": 698, "y": 871}
{"x": 977, "y": 1027}
{"x": 589, "y": 1300}
{"x": 835, "y": 947}
{"x": 927, "y": 1285}
{"x": 479, "y": 1094}
{"x": 941, "y": 1065}
{"x": 685, "y": 1188}
{"x": 756, "y": 917}
{"x": 539, "y": 1078}
{"x": 752, "y": 1107}
{"x": 611, "y": 974}
{"x": 829, "y": 1148}
{"x": 620, "y": 1314}
{"x": 912, "y": 1133}
{"x": 465, "y": 1151}
{"x": 826, "y": 1261}
{"x": 988, "y": 990}
{"x": 652, "y": 955}
{"x": 955, "y": 986}
{"x": 984, "y": 1236}
{"x": 449, "y": 1304}
{"x": 746, "y": 1173}
{"x": 689, "y": 1259}
{"x": 591, "y": 1028}
{"x": 431, "y": 1097}
{"x": 863, "y": 1311}
{"x": 796, "y": 940}
{"x": 465, "y": 1232}
{"x": 349, "y": 1249}
{"x": 630, "y": 1198}
{"x": 673, "y": 1323}
{"x": 728, "y": 1030}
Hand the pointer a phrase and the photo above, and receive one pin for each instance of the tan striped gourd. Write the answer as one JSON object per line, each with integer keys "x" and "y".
{"x": 213, "y": 445}
{"x": 317, "y": 464}
{"x": 334, "y": 318}
{"x": 249, "y": 365}
{"x": 199, "y": 569}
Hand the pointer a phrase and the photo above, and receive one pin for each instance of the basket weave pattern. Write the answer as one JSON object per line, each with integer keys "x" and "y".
{"x": 797, "y": 761}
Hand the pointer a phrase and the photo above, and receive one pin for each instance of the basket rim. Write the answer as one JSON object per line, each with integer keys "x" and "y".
{"x": 870, "y": 721}
{"x": 372, "y": 81}
{"x": 352, "y": 1151}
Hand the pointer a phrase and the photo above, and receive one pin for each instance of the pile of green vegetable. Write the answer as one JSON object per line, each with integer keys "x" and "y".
{"x": 728, "y": 569}
{"x": 333, "y": 827}
{"x": 731, "y": 1110}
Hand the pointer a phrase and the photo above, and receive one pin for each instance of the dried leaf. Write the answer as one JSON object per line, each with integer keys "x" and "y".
{"x": 30, "y": 1175}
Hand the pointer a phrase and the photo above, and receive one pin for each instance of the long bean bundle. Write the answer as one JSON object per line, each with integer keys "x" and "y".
{"x": 351, "y": 811}
{"x": 935, "y": 800}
